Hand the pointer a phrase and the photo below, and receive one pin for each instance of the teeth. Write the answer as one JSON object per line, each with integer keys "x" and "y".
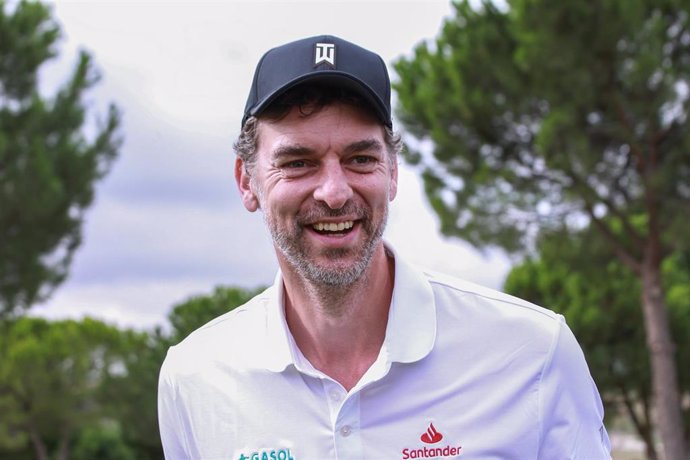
{"x": 332, "y": 226}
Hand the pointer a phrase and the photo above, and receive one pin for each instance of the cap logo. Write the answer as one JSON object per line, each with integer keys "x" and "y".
{"x": 324, "y": 53}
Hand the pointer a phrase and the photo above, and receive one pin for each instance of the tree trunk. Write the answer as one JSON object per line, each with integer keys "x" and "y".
{"x": 662, "y": 351}
{"x": 642, "y": 423}
{"x": 39, "y": 446}
{"x": 64, "y": 445}
{"x": 649, "y": 430}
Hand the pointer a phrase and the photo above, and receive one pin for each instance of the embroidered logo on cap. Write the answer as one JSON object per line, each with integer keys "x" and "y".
{"x": 431, "y": 436}
{"x": 324, "y": 54}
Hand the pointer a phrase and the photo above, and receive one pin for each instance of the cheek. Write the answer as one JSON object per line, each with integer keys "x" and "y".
{"x": 267, "y": 189}
{"x": 283, "y": 201}
{"x": 378, "y": 189}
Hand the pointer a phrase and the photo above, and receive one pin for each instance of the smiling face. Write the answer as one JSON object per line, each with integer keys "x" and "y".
{"x": 323, "y": 182}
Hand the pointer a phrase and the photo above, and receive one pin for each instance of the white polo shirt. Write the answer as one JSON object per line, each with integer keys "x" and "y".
{"x": 464, "y": 372}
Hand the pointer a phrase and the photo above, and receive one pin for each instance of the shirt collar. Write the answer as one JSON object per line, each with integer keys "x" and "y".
{"x": 410, "y": 333}
{"x": 411, "y": 330}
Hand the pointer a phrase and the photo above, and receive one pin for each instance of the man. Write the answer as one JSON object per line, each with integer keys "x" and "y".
{"x": 353, "y": 353}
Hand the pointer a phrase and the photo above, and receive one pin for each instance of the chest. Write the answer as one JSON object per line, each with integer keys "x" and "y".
{"x": 428, "y": 409}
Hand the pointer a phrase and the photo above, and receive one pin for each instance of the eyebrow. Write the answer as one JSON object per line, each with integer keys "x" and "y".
{"x": 297, "y": 150}
{"x": 364, "y": 145}
{"x": 294, "y": 150}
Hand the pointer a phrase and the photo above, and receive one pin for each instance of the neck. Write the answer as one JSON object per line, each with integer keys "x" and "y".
{"x": 340, "y": 330}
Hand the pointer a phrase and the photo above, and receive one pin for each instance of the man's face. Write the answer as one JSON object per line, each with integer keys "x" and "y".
{"x": 324, "y": 183}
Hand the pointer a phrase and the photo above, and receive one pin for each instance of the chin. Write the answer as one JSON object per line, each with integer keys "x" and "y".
{"x": 341, "y": 273}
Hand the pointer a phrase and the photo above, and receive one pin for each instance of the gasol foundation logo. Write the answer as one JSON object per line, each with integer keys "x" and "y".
{"x": 432, "y": 437}
{"x": 268, "y": 454}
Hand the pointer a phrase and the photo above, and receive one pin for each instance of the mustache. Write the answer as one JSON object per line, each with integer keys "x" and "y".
{"x": 320, "y": 211}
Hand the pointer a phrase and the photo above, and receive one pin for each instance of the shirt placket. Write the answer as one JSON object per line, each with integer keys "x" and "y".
{"x": 345, "y": 420}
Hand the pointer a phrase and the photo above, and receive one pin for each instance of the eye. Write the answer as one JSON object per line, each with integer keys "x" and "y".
{"x": 363, "y": 159}
{"x": 296, "y": 168}
{"x": 295, "y": 164}
{"x": 363, "y": 163}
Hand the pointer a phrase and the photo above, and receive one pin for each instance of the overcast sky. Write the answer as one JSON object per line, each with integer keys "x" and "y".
{"x": 167, "y": 222}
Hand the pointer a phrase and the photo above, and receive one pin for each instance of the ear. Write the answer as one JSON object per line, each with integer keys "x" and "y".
{"x": 244, "y": 185}
{"x": 393, "y": 186}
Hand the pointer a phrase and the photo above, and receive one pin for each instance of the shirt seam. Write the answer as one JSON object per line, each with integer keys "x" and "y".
{"x": 547, "y": 365}
{"x": 229, "y": 315}
{"x": 534, "y": 308}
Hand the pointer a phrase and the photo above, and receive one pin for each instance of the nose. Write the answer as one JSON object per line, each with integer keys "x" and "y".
{"x": 333, "y": 188}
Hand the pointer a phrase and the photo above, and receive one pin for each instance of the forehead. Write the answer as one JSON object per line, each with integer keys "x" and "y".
{"x": 330, "y": 126}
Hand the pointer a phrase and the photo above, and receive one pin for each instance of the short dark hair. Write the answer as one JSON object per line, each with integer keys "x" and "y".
{"x": 310, "y": 99}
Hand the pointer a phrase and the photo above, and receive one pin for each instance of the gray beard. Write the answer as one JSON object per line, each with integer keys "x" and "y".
{"x": 329, "y": 277}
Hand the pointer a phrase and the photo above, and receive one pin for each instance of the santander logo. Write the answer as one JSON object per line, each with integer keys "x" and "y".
{"x": 431, "y": 436}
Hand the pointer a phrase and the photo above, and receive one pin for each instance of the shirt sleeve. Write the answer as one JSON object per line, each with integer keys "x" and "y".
{"x": 170, "y": 426}
{"x": 571, "y": 411}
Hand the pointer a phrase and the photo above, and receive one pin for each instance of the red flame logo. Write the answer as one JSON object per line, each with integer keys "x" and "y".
{"x": 431, "y": 436}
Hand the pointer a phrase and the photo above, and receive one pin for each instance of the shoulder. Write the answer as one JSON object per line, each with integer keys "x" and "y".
{"x": 234, "y": 325}
{"x": 222, "y": 338}
{"x": 452, "y": 286}
{"x": 491, "y": 312}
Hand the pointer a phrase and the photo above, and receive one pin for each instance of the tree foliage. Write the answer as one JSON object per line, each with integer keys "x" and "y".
{"x": 606, "y": 318}
{"x": 548, "y": 115}
{"x": 50, "y": 378}
{"x": 76, "y": 389}
{"x": 129, "y": 398}
{"x": 51, "y": 156}
{"x": 102, "y": 442}
{"x": 549, "y": 111}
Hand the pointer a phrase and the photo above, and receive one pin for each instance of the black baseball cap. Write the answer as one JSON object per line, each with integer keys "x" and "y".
{"x": 323, "y": 59}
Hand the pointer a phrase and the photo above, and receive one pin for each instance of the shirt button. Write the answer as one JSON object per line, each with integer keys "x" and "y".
{"x": 346, "y": 431}
{"x": 335, "y": 396}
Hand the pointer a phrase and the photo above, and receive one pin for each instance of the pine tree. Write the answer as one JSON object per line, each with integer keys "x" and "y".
{"x": 49, "y": 160}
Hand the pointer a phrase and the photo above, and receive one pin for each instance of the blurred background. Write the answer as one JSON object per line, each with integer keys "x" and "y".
{"x": 547, "y": 155}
